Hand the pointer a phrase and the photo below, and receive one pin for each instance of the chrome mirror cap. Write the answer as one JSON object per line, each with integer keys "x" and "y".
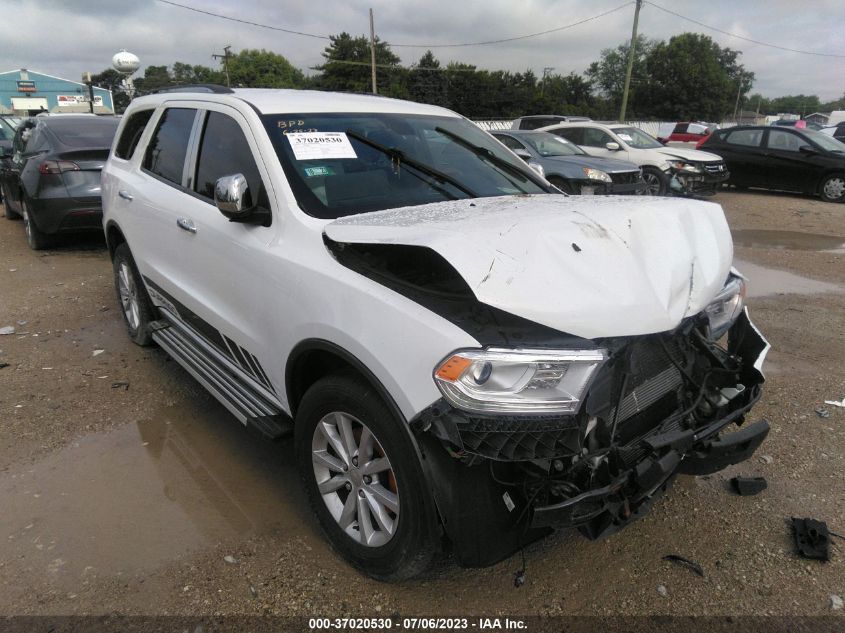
{"x": 232, "y": 195}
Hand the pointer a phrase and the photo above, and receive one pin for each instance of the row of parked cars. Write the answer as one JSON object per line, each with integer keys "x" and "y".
{"x": 466, "y": 358}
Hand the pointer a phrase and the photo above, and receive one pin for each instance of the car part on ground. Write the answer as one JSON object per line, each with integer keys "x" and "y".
{"x": 462, "y": 354}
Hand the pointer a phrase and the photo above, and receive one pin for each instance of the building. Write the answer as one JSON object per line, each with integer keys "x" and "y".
{"x": 24, "y": 92}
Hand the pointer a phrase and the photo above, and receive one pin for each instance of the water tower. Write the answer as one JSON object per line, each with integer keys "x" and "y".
{"x": 126, "y": 64}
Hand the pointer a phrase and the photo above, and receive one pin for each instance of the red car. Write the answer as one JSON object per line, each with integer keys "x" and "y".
{"x": 687, "y": 132}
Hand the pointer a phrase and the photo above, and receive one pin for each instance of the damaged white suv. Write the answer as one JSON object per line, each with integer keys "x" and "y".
{"x": 464, "y": 355}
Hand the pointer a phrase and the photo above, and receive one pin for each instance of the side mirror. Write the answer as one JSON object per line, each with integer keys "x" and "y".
{"x": 234, "y": 200}
{"x": 232, "y": 196}
{"x": 613, "y": 147}
{"x": 524, "y": 154}
{"x": 806, "y": 149}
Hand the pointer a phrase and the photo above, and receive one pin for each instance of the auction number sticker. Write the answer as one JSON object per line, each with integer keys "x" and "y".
{"x": 320, "y": 145}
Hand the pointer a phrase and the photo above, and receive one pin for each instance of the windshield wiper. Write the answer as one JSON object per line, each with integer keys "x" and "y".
{"x": 486, "y": 154}
{"x": 399, "y": 157}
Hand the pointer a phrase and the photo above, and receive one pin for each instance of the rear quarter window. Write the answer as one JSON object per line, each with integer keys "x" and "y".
{"x": 165, "y": 156}
{"x": 131, "y": 134}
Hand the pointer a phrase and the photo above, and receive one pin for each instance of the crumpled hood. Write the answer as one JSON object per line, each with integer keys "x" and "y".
{"x": 692, "y": 155}
{"x": 592, "y": 266}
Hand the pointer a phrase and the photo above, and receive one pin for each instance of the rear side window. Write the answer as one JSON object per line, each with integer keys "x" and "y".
{"x": 681, "y": 128}
{"x": 748, "y": 138}
{"x": 574, "y": 135}
{"x": 225, "y": 152}
{"x": 168, "y": 147}
{"x": 131, "y": 134}
{"x": 510, "y": 142}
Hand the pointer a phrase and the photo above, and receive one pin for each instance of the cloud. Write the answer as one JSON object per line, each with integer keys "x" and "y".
{"x": 67, "y": 37}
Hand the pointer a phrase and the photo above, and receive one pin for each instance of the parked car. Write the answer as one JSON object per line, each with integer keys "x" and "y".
{"x": 53, "y": 181}
{"x": 836, "y": 131}
{"x": 687, "y": 132}
{"x": 783, "y": 158}
{"x": 462, "y": 353}
{"x": 535, "y": 121}
{"x": 694, "y": 172}
{"x": 7, "y": 134}
{"x": 571, "y": 169}
{"x": 800, "y": 124}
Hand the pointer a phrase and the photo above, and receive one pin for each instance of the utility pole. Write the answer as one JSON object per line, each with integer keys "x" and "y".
{"x": 86, "y": 79}
{"x": 373, "y": 52}
{"x": 738, "y": 93}
{"x": 546, "y": 71}
{"x": 225, "y": 57}
{"x": 631, "y": 51}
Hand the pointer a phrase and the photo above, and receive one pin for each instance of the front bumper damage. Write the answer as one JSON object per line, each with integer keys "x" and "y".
{"x": 663, "y": 405}
{"x": 706, "y": 182}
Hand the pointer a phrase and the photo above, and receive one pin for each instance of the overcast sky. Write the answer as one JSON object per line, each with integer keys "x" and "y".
{"x": 67, "y": 37}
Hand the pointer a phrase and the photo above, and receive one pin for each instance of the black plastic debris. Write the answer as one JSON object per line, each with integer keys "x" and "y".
{"x": 812, "y": 538}
{"x": 4, "y": 365}
{"x": 120, "y": 383}
{"x": 576, "y": 248}
{"x": 685, "y": 562}
{"x": 748, "y": 486}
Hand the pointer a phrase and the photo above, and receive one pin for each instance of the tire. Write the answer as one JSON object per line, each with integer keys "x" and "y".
{"x": 10, "y": 215}
{"x": 657, "y": 182}
{"x": 135, "y": 305}
{"x": 404, "y": 541}
{"x": 832, "y": 188}
{"x": 36, "y": 239}
{"x": 561, "y": 184}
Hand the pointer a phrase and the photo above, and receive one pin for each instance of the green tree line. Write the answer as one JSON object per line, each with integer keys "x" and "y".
{"x": 688, "y": 77}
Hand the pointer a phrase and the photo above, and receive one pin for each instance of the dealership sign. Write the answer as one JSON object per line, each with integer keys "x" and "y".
{"x": 66, "y": 101}
{"x": 26, "y": 86}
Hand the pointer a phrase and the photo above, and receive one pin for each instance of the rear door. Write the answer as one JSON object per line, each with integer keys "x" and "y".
{"x": 745, "y": 156}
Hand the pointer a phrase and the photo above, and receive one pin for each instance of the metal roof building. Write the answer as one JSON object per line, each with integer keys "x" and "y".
{"x": 24, "y": 92}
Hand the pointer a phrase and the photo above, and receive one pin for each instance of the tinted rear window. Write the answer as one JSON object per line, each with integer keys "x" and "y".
{"x": 131, "y": 134}
{"x": 166, "y": 152}
{"x": 85, "y": 132}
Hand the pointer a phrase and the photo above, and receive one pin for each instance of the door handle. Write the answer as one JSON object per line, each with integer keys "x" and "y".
{"x": 186, "y": 225}
{"x": 125, "y": 195}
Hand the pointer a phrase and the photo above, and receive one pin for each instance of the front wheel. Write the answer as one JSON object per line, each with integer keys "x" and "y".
{"x": 657, "y": 182}
{"x": 134, "y": 302}
{"x": 832, "y": 188}
{"x": 364, "y": 479}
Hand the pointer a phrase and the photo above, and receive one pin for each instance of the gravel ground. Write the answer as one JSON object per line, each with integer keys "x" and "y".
{"x": 124, "y": 488}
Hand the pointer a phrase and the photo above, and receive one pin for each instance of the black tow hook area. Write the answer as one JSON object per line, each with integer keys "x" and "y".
{"x": 714, "y": 455}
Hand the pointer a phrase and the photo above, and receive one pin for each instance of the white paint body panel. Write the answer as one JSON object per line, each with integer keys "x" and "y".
{"x": 590, "y": 266}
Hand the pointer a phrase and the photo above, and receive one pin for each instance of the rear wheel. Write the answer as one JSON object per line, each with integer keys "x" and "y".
{"x": 832, "y": 188}
{"x": 134, "y": 303}
{"x": 364, "y": 479}
{"x": 10, "y": 215}
{"x": 657, "y": 182}
{"x": 561, "y": 184}
{"x": 36, "y": 239}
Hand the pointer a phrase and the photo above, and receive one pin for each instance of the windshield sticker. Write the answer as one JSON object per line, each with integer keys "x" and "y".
{"x": 311, "y": 172}
{"x": 625, "y": 137}
{"x": 320, "y": 145}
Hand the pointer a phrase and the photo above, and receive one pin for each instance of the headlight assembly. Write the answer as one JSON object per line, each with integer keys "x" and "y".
{"x": 725, "y": 307}
{"x": 517, "y": 381}
{"x": 596, "y": 174}
{"x": 688, "y": 167}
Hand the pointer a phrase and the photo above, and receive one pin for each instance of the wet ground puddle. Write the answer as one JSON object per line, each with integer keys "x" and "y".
{"x": 146, "y": 494}
{"x": 789, "y": 240}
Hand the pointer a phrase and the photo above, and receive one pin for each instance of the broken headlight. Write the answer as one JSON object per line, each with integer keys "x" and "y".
{"x": 688, "y": 167}
{"x": 725, "y": 308}
{"x": 597, "y": 174}
{"x": 517, "y": 381}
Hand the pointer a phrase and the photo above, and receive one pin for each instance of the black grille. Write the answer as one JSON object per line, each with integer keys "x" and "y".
{"x": 625, "y": 178}
{"x": 715, "y": 168}
{"x": 519, "y": 438}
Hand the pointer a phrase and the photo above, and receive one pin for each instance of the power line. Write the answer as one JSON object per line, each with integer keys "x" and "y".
{"x": 519, "y": 37}
{"x": 741, "y": 37}
{"x": 226, "y": 17}
{"x": 326, "y": 37}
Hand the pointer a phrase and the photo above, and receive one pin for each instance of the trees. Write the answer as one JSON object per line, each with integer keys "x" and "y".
{"x": 607, "y": 75}
{"x": 110, "y": 79}
{"x": 261, "y": 69}
{"x": 347, "y": 65}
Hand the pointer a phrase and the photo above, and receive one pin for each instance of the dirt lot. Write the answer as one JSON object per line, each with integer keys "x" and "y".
{"x": 124, "y": 488}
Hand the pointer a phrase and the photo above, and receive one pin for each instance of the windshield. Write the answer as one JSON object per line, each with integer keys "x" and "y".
{"x": 546, "y": 145}
{"x": 343, "y": 164}
{"x": 824, "y": 141}
{"x": 636, "y": 138}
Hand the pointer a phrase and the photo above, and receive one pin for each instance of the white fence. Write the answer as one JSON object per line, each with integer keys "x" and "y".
{"x": 649, "y": 127}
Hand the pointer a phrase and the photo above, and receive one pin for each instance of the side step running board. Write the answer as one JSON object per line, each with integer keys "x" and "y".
{"x": 252, "y": 407}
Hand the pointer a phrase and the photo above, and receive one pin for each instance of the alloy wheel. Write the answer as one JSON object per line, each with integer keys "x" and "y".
{"x": 652, "y": 182}
{"x": 128, "y": 296}
{"x": 834, "y": 188}
{"x": 355, "y": 479}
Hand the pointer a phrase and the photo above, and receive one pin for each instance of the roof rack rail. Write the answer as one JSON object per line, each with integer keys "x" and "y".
{"x": 210, "y": 88}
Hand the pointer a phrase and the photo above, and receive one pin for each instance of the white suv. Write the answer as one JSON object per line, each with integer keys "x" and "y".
{"x": 692, "y": 171}
{"x": 462, "y": 354}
